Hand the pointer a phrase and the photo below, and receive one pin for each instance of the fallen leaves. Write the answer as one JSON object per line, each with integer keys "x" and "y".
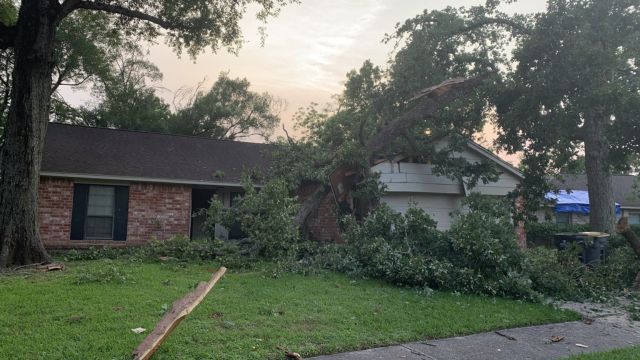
{"x": 556, "y": 339}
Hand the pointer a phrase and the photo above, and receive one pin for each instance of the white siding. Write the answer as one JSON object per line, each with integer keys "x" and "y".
{"x": 437, "y": 195}
{"x": 438, "y": 206}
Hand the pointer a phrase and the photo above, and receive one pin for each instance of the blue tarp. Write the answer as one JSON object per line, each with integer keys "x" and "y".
{"x": 576, "y": 201}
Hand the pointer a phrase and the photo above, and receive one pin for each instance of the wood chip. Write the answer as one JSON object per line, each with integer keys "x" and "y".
{"x": 556, "y": 339}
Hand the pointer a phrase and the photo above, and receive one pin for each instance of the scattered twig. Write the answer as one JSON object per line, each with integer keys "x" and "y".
{"x": 505, "y": 336}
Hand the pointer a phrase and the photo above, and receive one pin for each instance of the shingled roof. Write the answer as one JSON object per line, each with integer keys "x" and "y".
{"x": 80, "y": 151}
{"x": 623, "y": 190}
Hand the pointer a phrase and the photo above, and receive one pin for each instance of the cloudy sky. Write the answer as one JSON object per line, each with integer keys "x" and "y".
{"x": 308, "y": 51}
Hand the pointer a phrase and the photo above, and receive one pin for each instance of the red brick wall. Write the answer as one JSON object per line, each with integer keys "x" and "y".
{"x": 55, "y": 200}
{"x": 323, "y": 223}
{"x": 156, "y": 211}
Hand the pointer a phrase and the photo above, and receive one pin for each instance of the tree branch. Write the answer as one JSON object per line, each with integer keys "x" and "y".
{"x": 428, "y": 101}
{"x": 7, "y": 36}
{"x": 117, "y": 9}
{"x": 495, "y": 21}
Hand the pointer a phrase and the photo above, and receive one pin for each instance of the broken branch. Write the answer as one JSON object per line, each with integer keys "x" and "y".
{"x": 172, "y": 319}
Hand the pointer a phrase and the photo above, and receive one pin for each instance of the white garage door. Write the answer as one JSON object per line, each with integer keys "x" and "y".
{"x": 439, "y": 207}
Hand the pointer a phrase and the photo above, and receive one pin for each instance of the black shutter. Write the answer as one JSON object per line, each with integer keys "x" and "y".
{"x": 79, "y": 211}
{"x": 121, "y": 213}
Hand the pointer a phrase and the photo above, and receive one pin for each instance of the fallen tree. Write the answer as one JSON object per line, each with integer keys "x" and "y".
{"x": 423, "y": 105}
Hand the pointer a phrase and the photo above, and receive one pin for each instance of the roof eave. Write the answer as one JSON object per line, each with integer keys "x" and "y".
{"x": 139, "y": 179}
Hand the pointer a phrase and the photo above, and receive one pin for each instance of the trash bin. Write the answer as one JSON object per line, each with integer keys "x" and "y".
{"x": 593, "y": 245}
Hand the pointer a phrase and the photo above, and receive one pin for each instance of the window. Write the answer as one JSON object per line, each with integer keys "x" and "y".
{"x": 563, "y": 218}
{"x": 634, "y": 218}
{"x": 99, "y": 212}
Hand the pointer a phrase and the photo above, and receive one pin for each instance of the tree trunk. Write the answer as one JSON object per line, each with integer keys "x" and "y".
{"x": 596, "y": 147}
{"x": 21, "y": 152}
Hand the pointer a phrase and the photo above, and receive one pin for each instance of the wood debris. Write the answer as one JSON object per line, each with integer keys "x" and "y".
{"x": 181, "y": 308}
{"x": 556, "y": 339}
{"x": 292, "y": 355}
{"x": 50, "y": 267}
{"x": 505, "y": 336}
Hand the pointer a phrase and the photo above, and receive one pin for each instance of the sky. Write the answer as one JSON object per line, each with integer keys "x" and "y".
{"x": 309, "y": 49}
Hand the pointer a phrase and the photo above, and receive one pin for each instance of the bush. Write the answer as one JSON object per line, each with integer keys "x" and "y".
{"x": 561, "y": 275}
{"x": 479, "y": 255}
{"x": 542, "y": 234}
{"x": 266, "y": 216}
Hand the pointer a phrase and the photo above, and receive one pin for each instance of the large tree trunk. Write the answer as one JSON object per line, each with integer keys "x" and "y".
{"x": 21, "y": 152}
{"x": 596, "y": 147}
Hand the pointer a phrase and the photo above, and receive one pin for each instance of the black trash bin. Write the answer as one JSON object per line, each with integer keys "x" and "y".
{"x": 593, "y": 245}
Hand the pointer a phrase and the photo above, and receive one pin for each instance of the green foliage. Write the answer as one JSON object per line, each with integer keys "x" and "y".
{"x": 432, "y": 47}
{"x": 229, "y": 110}
{"x": 542, "y": 234}
{"x": 174, "y": 250}
{"x": 104, "y": 272}
{"x": 479, "y": 255}
{"x": 561, "y": 275}
{"x": 576, "y": 71}
{"x": 265, "y": 215}
{"x": 8, "y": 12}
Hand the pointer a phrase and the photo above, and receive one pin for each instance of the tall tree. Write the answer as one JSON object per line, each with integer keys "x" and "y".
{"x": 229, "y": 110}
{"x": 576, "y": 89}
{"x": 190, "y": 25}
{"x": 126, "y": 95}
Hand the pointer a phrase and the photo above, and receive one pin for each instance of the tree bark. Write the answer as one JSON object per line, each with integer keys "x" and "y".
{"x": 21, "y": 153}
{"x": 601, "y": 202}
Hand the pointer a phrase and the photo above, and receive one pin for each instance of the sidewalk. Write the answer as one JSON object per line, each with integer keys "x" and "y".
{"x": 534, "y": 342}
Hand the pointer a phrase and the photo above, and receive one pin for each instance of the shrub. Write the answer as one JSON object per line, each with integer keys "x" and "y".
{"x": 266, "y": 216}
{"x": 479, "y": 255}
{"x": 561, "y": 275}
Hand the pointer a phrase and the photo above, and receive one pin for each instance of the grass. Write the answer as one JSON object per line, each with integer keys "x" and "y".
{"x": 632, "y": 353}
{"x": 88, "y": 311}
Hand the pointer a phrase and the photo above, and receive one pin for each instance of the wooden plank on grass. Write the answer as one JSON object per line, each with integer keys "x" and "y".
{"x": 180, "y": 309}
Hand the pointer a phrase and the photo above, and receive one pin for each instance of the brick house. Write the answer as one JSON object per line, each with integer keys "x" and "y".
{"x": 107, "y": 187}
{"x": 116, "y": 188}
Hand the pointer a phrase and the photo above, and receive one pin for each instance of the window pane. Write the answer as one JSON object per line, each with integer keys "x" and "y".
{"x": 634, "y": 219}
{"x": 101, "y": 201}
{"x": 100, "y": 210}
{"x": 99, "y": 227}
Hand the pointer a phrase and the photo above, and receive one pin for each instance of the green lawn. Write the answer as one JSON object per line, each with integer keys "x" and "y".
{"x": 248, "y": 315}
{"x": 632, "y": 353}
